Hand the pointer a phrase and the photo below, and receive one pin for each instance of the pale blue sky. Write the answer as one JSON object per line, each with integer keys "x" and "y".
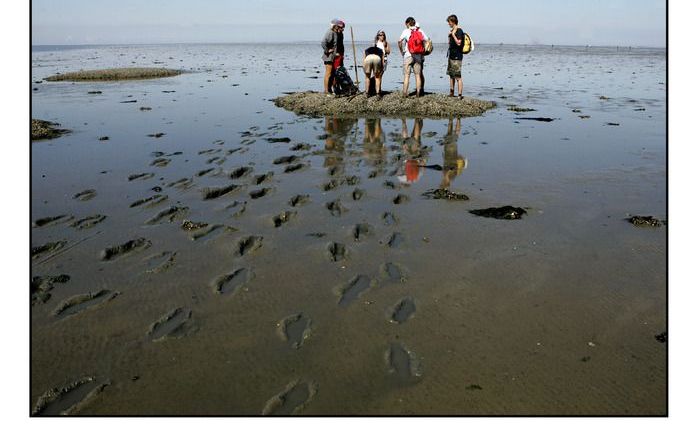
{"x": 580, "y": 22}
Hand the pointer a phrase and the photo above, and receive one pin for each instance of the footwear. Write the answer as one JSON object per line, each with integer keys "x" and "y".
{"x": 329, "y": 95}
{"x": 450, "y": 94}
{"x": 460, "y": 96}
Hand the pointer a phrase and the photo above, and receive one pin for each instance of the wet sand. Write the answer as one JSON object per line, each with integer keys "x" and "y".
{"x": 248, "y": 261}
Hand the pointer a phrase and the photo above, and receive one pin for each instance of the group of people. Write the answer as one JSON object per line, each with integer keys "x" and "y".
{"x": 414, "y": 44}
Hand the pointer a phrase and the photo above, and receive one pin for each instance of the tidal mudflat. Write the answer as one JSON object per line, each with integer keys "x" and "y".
{"x": 198, "y": 250}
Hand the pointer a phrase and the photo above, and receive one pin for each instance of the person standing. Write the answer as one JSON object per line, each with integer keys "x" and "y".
{"x": 333, "y": 52}
{"x": 381, "y": 42}
{"x": 411, "y": 45}
{"x": 456, "y": 39}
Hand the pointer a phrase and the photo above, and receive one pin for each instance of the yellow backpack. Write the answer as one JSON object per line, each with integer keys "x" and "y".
{"x": 468, "y": 44}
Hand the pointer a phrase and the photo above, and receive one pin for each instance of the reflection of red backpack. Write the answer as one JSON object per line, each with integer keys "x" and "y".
{"x": 412, "y": 170}
{"x": 415, "y": 44}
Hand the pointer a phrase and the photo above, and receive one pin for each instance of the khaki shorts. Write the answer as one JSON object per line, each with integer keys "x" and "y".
{"x": 413, "y": 65}
{"x": 373, "y": 64}
{"x": 454, "y": 68}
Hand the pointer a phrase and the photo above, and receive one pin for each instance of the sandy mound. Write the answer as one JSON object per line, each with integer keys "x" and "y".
{"x": 390, "y": 104}
{"x": 114, "y": 74}
{"x": 42, "y": 130}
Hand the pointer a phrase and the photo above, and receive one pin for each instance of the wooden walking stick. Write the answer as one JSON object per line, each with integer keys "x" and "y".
{"x": 356, "y": 70}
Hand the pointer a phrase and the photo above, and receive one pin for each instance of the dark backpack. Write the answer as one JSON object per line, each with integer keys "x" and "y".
{"x": 343, "y": 85}
{"x": 415, "y": 44}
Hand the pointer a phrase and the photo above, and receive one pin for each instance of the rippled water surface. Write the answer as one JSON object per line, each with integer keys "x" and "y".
{"x": 335, "y": 286}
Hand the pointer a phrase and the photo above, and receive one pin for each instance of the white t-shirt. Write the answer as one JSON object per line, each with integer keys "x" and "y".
{"x": 405, "y": 36}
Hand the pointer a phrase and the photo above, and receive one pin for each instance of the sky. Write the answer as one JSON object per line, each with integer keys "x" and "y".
{"x": 562, "y": 22}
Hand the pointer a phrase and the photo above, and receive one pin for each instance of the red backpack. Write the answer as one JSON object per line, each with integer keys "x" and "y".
{"x": 415, "y": 44}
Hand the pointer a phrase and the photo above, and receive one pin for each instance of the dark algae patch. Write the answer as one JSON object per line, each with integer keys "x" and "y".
{"x": 69, "y": 399}
{"x": 501, "y": 213}
{"x": 44, "y": 130}
{"x": 390, "y": 104}
{"x": 646, "y": 221}
{"x": 114, "y": 74}
{"x": 291, "y": 400}
{"x": 444, "y": 194}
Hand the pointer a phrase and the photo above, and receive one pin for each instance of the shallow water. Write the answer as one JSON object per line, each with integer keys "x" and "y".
{"x": 555, "y": 313}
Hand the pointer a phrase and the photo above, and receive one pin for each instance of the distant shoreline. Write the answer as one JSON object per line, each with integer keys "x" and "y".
{"x": 45, "y": 47}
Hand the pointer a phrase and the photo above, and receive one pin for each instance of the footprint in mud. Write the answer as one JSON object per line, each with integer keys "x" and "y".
{"x": 283, "y": 217}
{"x": 393, "y": 272}
{"x": 216, "y": 192}
{"x": 402, "y": 362}
{"x": 239, "y": 208}
{"x": 400, "y": 199}
{"x": 262, "y": 178}
{"x": 352, "y": 180}
{"x": 289, "y": 159}
{"x": 337, "y": 251}
{"x": 389, "y": 219}
{"x": 211, "y": 232}
{"x": 131, "y": 246}
{"x": 140, "y": 176}
{"x": 403, "y": 310}
{"x": 160, "y": 162}
{"x": 279, "y": 140}
{"x": 294, "y": 167}
{"x": 205, "y": 171}
{"x": 396, "y": 240}
{"x": 240, "y": 172}
{"x": 49, "y": 221}
{"x": 389, "y": 184}
{"x": 256, "y": 194}
{"x": 160, "y": 262}
{"x": 294, "y": 329}
{"x": 334, "y": 170}
{"x": 336, "y": 208}
{"x": 182, "y": 184}
{"x": 83, "y": 302}
{"x": 350, "y": 291}
{"x": 41, "y": 285}
{"x": 85, "y": 195}
{"x": 301, "y": 146}
{"x": 149, "y": 201}
{"x": 361, "y": 231}
{"x": 209, "y": 151}
{"x": 291, "y": 400}
{"x": 169, "y": 214}
{"x": 248, "y": 245}
{"x": 69, "y": 399}
{"x": 231, "y": 283}
{"x": 175, "y": 324}
{"x": 331, "y": 185}
{"x": 88, "y": 222}
{"x": 357, "y": 194}
{"x": 216, "y": 160}
{"x": 299, "y": 199}
{"x": 48, "y": 248}
{"x": 156, "y": 135}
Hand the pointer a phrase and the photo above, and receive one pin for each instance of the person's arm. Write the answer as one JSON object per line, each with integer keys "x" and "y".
{"x": 454, "y": 34}
{"x": 402, "y": 49}
{"x": 387, "y": 47}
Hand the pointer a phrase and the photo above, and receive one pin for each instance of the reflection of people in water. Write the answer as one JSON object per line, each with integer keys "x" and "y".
{"x": 374, "y": 141}
{"x": 453, "y": 162}
{"x": 337, "y": 130}
{"x": 412, "y": 146}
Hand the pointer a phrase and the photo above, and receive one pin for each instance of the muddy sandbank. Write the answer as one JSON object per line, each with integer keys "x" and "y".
{"x": 114, "y": 74}
{"x": 389, "y": 104}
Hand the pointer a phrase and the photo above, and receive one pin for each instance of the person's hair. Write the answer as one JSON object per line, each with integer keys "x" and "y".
{"x": 452, "y": 18}
{"x": 410, "y": 21}
{"x": 378, "y": 34}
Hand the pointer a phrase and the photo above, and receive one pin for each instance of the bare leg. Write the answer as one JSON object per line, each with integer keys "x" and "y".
{"x": 418, "y": 79}
{"x": 406, "y": 84}
{"x": 421, "y": 81}
{"x": 451, "y": 81}
{"x": 378, "y": 83}
{"x": 328, "y": 75}
{"x": 368, "y": 81}
{"x": 460, "y": 86}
